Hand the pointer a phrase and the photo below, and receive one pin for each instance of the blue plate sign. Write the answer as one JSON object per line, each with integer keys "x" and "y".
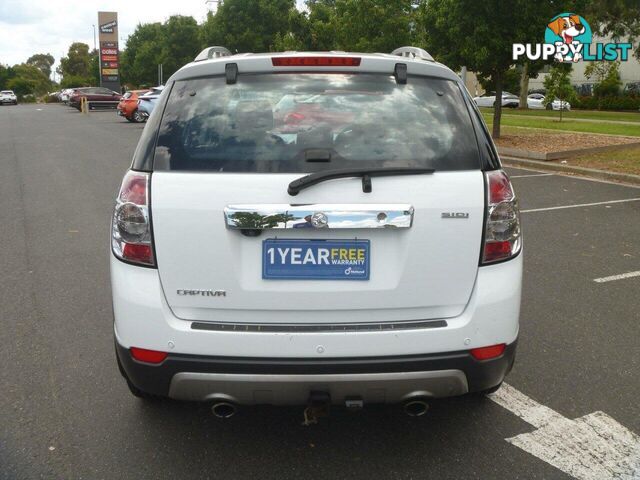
{"x": 315, "y": 259}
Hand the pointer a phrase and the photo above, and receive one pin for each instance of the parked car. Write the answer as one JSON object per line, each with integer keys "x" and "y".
{"x": 377, "y": 260}
{"x": 509, "y": 100}
{"x": 97, "y": 97}
{"x": 536, "y": 101}
{"x": 128, "y": 106}
{"x": 65, "y": 95}
{"x": 147, "y": 102}
{"x": 7, "y": 96}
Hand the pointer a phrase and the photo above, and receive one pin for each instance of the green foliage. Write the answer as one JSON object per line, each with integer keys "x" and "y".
{"x": 557, "y": 84}
{"x": 75, "y": 68}
{"x": 42, "y": 61}
{"x": 139, "y": 61}
{"x": 6, "y": 74}
{"x": 21, "y": 86}
{"x": 28, "y": 80}
{"x": 480, "y": 35}
{"x": 510, "y": 82}
{"x": 608, "y": 103}
{"x": 248, "y": 25}
{"x": 172, "y": 44}
{"x": 374, "y": 25}
{"x": 607, "y": 77}
{"x": 180, "y": 43}
{"x": 616, "y": 18}
{"x": 322, "y": 24}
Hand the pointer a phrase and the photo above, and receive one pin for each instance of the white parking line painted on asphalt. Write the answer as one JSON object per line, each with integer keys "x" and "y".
{"x": 577, "y": 177}
{"x": 579, "y": 205}
{"x": 533, "y": 175}
{"x": 622, "y": 276}
{"x": 593, "y": 447}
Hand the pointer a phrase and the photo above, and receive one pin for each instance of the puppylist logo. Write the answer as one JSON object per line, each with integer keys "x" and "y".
{"x": 568, "y": 38}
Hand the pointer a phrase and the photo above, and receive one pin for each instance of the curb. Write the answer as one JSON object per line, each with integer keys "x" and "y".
{"x": 526, "y": 154}
{"x": 585, "y": 172}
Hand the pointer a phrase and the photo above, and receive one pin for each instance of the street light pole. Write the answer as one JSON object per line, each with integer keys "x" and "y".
{"x": 94, "y": 38}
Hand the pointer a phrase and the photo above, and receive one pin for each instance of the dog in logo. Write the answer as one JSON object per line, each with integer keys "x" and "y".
{"x": 567, "y": 28}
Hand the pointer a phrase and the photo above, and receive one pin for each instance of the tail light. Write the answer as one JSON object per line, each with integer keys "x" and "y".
{"x": 315, "y": 61}
{"x": 502, "y": 236}
{"x": 131, "y": 236}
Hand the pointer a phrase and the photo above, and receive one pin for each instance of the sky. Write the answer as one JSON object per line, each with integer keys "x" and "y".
{"x": 50, "y": 26}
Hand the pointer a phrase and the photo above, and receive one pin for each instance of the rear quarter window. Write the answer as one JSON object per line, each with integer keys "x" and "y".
{"x": 302, "y": 123}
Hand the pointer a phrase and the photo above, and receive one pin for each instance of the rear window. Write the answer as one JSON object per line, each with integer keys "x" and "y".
{"x": 302, "y": 123}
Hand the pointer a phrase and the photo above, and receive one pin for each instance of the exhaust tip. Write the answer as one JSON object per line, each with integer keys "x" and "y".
{"x": 416, "y": 407}
{"x": 223, "y": 409}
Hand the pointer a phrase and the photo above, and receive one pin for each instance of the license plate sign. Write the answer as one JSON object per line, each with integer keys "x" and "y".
{"x": 315, "y": 259}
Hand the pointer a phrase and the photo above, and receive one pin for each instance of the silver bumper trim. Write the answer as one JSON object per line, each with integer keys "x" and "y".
{"x": 245, "y": 389}
{"x": 331, "y": 216}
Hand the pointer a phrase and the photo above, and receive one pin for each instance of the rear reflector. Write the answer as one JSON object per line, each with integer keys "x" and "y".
{"x": 486, "y": 353}
{"x": 315, "y": 61}
{"x": 148, "y": 356}
{"x": 137, "y": 252}
{"x": 496, "y": 251}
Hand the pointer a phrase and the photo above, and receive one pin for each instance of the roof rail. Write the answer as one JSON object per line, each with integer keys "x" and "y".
{"x": 413, "y": 52}
{"x": 212, "y": 52}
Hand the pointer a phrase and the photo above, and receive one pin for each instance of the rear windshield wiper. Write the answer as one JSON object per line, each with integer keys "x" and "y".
{"x": 366, "y": 173}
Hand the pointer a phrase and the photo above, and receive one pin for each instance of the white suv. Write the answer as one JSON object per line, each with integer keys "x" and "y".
{"x": 357, "y": 244}
{"x": 7, "y": 96}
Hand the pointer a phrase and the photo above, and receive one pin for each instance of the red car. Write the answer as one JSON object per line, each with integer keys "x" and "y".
{"x": 295, "y": 113}
{"x": 97, "y": 97}
{"x": 128, "y": 106}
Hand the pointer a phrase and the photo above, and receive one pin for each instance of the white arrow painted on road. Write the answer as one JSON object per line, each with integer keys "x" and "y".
{"x": 593, "y": 447}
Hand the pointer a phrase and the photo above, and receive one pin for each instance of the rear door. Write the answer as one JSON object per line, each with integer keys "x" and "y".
{"x": 233, "y": 245}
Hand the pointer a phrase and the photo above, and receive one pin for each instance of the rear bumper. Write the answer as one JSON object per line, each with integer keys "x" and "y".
{"x": 290, "y": 381}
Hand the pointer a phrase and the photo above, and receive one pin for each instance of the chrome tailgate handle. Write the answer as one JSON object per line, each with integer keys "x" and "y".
{"x": 331, "y": 216}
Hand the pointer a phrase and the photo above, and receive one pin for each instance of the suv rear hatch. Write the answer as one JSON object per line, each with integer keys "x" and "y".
{"x": 225, "y": 227}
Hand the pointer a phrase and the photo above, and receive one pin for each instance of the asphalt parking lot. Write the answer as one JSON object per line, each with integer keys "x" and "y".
{"x": 65, "y": 412}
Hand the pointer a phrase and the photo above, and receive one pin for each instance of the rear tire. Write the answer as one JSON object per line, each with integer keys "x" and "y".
{"x": 138, "y": 117}
{"x": 491, "y": 390}
{"x": 136, "y": 392}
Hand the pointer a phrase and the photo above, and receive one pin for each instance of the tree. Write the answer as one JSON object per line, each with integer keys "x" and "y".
{"x": 28, "y": 80}
{"x": 510, "y": 82}
{"x": 6, "y": 74}
{"x": 618, "y": 18}
{"x": 558, "y": 85}
{"x": 298, "y": 34}
{"x": 479, "y": 35}
{"x": 607, "y": 77}
{"x": 75, "y": 68}
{"x": 172, "y": 44}
{"x": 248, "y": 25}
{"x": 42, "y": 61}
{"x": 139, "y": 61}
{"x": 180, "y": 43}
{"x": 374, "y": 25}
{"x": 322, "y": 25}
